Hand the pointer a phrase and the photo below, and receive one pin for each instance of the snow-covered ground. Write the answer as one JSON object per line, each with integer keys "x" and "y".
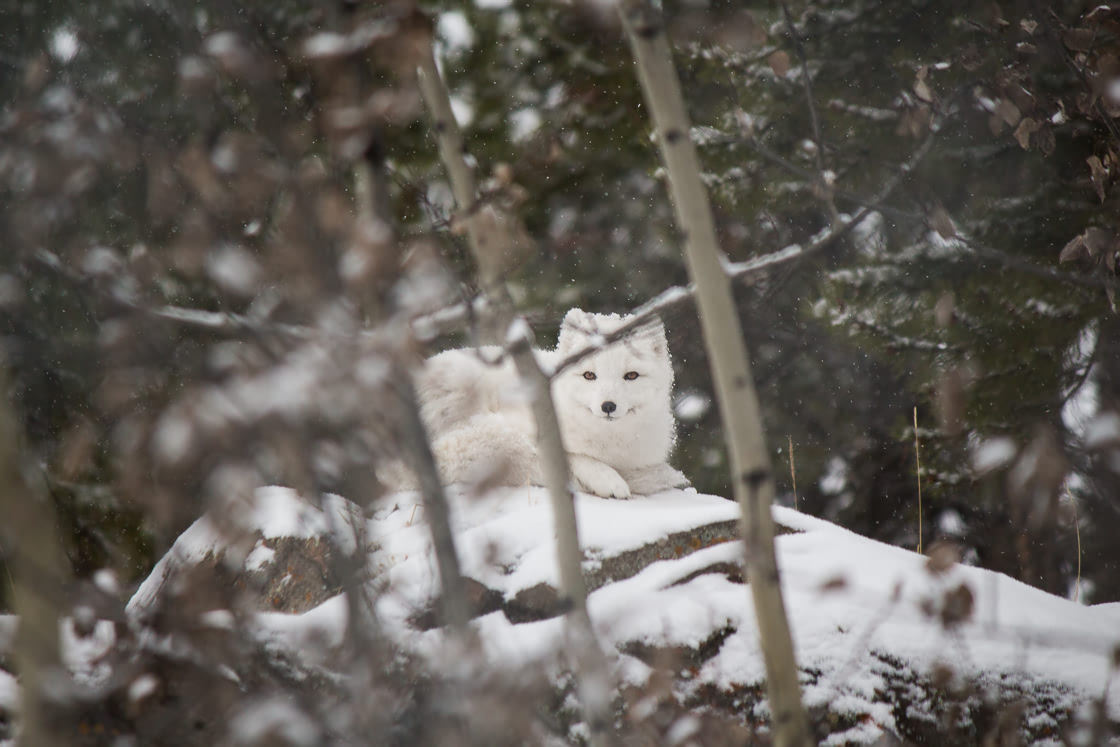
{"x": 851, "y": 601}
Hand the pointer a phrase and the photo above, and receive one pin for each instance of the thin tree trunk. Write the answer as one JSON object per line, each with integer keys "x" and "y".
{"x": 723, "y": 338}
{"x": 39, "y": 578}
{"x": 372, "y": 194}
{"x": 490, "y": 242}
{"x": 486, "y": 239}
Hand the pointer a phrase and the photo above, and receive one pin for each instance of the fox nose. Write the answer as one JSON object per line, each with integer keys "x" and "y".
{"x": 609, "y": 407}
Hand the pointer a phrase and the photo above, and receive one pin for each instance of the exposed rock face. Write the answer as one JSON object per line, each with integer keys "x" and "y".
{"x": 890, "y": 644}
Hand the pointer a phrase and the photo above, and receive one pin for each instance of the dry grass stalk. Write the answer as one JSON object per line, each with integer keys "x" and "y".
{"x": 918, "y": 475}
{"x": 793, "y": 473}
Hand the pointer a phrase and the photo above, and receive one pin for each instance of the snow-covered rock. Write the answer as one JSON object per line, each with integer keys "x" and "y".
{"x": 888, "y": 641}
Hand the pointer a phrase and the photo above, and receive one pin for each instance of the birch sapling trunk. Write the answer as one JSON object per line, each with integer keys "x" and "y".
{"x": 723, "y": 338}
{"x": 485, "y": 238}
{"x": 491, "y": 245}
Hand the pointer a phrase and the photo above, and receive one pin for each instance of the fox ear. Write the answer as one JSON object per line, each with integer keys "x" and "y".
{"x": 655, "y": 334}
{"x": 574, "y": 327}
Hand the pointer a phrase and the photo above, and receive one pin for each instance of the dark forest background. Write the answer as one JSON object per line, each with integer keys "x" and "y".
{"x": 162, "y": 159}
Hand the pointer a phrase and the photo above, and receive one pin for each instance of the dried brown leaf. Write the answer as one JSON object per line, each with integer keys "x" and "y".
{"x": 1108, "y": 65}
{"x": 1098, "y": 241}
{"x": 1028, "y": 25}
{"x": 1099, "y": 175}
{"x": 943, "y": 555}
{"x": 1023, "y": 132}
{"x": 77, "y": 449}
{"x": 741, "y": 32}
{"x": 1073, "y": 250}
{"x": 1008, "y": 112}
{"x": 970, "y": 58}
{"x": 957, "y": 606}
{"x": 1080, "y": 40}
{"x": 994, "y": 16}
{"x": 1045, "y": 139}
{"x": 942, "y": 223}
{"x": 779, "y": 62}
{"x": 922, "y": 90}
{"x": 943, "y": 310}
{"x": 914, "y": 121}
{"x": 37, "y": 72}
{"x": 951, "y": 402}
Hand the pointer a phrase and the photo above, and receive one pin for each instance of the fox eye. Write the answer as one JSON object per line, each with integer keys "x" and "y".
{"x": 630, "y": 375}
{"x": 589, "y": 375}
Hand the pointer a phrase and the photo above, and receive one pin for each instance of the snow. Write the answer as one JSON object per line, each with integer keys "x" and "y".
{"x": 142, "y": 687}
{"x": 835, "y": 477}
{"x": 273, "y": 512}
{"x": 1103, "y": 430}
{"x": 505, "y": 543}
{"x": 993, "y": 454}
{"x": 889, "y": 600}
{"x": 64, "y": 44}
{"x": 692, "y": 406}
{"x": 1084, "y": 401}
{"x": 456, "y": 33}
{"x": 234, "y": 269}
{"x": 105, "y": 579}
{"x": 523, "y": 123}
{"x": 261, "y": 557}
{"x": 325, "y": 44}
{"x": 274, "y": 721}
{"x": 84, "y": 654}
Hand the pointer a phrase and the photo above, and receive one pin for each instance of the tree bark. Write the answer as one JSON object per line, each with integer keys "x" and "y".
{"x": 750, "y": 464}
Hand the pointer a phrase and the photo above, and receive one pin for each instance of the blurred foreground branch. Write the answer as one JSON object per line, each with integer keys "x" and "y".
{"x": 37, "y": 564}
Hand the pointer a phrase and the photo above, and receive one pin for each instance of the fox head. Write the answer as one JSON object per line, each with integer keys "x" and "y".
{"x": 619, "y": 396}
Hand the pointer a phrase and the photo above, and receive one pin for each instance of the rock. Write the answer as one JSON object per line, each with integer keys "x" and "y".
{"x": 886, "y": 648}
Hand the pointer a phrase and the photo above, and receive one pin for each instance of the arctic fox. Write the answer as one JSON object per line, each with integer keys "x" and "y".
{"x": 613, "y": 406}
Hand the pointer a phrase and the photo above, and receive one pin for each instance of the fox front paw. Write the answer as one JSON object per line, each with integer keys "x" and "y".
{"x": 592, "y": 476}
{"x": 656, "y": 479}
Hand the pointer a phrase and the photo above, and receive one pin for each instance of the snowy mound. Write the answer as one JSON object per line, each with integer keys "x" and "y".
{"x": 881, "y": 633}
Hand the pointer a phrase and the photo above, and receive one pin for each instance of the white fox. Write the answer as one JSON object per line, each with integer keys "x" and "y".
{"x": 613, "y": 406}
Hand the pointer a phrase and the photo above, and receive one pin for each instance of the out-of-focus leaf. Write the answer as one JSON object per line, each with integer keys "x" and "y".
{"x": 1023, "y": 132}
{"x": 1099, "y": 175}
{"x": 779, "y": 62}
{"x": 942, "y": 222}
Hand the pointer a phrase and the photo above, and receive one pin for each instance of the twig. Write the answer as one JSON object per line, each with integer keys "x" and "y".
{"x": 824, "y": 188}
{"x": 1041, "y": 271}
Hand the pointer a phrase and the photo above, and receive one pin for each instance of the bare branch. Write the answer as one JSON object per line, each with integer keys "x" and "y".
{"x": 824, "y": 186}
